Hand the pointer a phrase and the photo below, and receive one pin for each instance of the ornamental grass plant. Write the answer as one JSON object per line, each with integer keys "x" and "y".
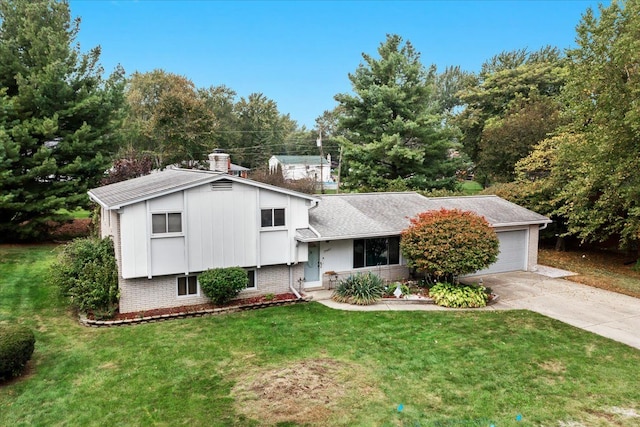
{"x": 359, "y": 289}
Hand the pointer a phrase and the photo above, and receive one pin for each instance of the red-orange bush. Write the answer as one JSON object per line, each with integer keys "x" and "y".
{"x": 448, "y": 243}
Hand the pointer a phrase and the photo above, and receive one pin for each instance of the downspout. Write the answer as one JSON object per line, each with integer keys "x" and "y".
{"x": 291, "y": 284}
{"x": 543, "y": 226}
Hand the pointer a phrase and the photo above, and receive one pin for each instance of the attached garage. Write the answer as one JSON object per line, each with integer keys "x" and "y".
{"x": 514, "y": 246}
{"x": 340, "y": 219}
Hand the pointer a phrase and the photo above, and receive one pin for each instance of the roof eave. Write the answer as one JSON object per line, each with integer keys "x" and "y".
{"x": 522, "y": 223}
{"x": 211, "y": 179}
{"x": 397, "y": 233}
{"x": 95, "y": 199}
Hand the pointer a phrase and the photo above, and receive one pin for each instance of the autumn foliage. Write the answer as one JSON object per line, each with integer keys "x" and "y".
{"x": 448, "y": 243}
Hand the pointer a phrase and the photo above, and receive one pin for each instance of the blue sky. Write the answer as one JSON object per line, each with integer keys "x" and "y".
{"x": 299, "y": 53}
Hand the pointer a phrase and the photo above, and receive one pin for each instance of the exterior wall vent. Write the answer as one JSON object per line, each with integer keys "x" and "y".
{"x": 222, "y": 185}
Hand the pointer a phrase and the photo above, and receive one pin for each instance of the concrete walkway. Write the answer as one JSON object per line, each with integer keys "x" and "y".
{"x": 605, "y": 313}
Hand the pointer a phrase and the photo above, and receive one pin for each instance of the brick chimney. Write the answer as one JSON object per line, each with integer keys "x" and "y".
{"x": 219, "y": 161}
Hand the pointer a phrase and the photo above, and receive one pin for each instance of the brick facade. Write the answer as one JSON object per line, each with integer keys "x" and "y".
{"x": 161, "y": 291}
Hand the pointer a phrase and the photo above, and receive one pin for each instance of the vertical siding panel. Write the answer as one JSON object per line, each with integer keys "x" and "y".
{"x": 134, "y": 241}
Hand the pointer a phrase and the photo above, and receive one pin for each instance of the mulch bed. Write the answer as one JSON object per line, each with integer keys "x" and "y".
{"x": 203, "y": 307}
{"x": 161, "y": 314}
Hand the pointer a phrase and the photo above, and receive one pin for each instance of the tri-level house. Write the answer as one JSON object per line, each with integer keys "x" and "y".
{"x": 171, "y": 225}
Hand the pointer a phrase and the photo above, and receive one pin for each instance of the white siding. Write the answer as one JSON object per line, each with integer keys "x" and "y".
{"x": 222, "y": 227}
{"x": 274, "y": 247}
{"x": 134, "y": 241}
{"x": 336, "y": 256}
{"x": 271, "y": 199}
{"x": 169, "y": 203}
{"x": 167, "y": 256}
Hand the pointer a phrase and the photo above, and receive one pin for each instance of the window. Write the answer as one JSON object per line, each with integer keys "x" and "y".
{"x": 187, "y": 285}
{"x": 251, "y": 284}
{"x": 272, "y": 217}
{"x": 166, "y": 223}
{"x": 373, "y": 252}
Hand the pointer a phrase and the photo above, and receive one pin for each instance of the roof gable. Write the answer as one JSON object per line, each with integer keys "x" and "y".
{"x": 168, "y": 181}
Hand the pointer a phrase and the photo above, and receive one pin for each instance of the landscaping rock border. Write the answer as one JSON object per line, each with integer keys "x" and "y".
{"x": 185, "y": 314}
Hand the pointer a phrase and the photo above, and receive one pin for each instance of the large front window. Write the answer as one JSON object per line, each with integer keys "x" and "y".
{"x": 374, "y": 252}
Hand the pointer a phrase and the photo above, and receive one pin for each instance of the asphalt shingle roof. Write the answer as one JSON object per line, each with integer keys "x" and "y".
{"x": 343, "y": 216}
{"x": 156, "y": 184}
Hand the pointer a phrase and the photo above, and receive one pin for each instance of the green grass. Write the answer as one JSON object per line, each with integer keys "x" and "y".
{"x": 445, "y": 368}
{"x": 469, "y": 188}
{"x": 76, "y": 213}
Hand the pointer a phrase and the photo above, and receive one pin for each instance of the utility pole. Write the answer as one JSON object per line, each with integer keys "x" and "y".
{"x": 339, "y": 169}
{"x": 319, "y": 144}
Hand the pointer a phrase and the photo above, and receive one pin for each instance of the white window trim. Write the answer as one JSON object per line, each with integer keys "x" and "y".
{"x": 197, "y": 294}
{"x": 167, "y": 234}
{"x": 273, "y": 227}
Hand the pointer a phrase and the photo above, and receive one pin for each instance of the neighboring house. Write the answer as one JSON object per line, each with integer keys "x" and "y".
{"x": 302, "y": 167}
{"x": 170, "y": 226}
{"x": 239, "y": 171}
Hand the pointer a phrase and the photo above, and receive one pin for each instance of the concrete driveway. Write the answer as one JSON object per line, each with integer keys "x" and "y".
{"x": 605, "y": 313}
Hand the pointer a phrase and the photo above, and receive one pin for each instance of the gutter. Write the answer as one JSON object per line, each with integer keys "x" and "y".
{"x": 291, "y": 284}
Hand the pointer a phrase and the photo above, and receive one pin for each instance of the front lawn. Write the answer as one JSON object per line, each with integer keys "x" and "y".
{"x": 309, "y": 365}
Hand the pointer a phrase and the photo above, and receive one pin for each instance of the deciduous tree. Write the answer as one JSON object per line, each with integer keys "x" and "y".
{"x": 512, "y": 106}
{"x": 449, "y": 243}
{"x": 168, "y": 118}
{"x": 601, "y": 198}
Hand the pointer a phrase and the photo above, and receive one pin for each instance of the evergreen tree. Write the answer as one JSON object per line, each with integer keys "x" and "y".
{"x": 393, "y": 131}
{"x": 58, "y": 116}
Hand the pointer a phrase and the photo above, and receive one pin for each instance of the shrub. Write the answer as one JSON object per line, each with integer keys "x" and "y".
{"x": 459, "y": 295}
{"x": 359, "y": 289}
{"x": 86, "y": 273}
{"x": 449, "y": 243}
{"x": 16, "y": 347}
{"x": 221, "y": 285}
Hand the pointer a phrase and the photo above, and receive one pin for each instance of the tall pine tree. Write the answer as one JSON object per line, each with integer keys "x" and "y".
{"x": 58, "y": 116}
{"x": 393, "y": 125}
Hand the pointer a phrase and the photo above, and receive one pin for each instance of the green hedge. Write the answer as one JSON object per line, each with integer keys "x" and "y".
{"x": 16, "y": 347}
{"x": 221, "y": 285}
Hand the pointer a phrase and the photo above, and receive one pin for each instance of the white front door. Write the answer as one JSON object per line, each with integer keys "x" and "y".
{"x": 312, "y": 267}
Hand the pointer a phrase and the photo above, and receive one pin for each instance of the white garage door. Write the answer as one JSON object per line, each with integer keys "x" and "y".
{"x": 513, "y": 252}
